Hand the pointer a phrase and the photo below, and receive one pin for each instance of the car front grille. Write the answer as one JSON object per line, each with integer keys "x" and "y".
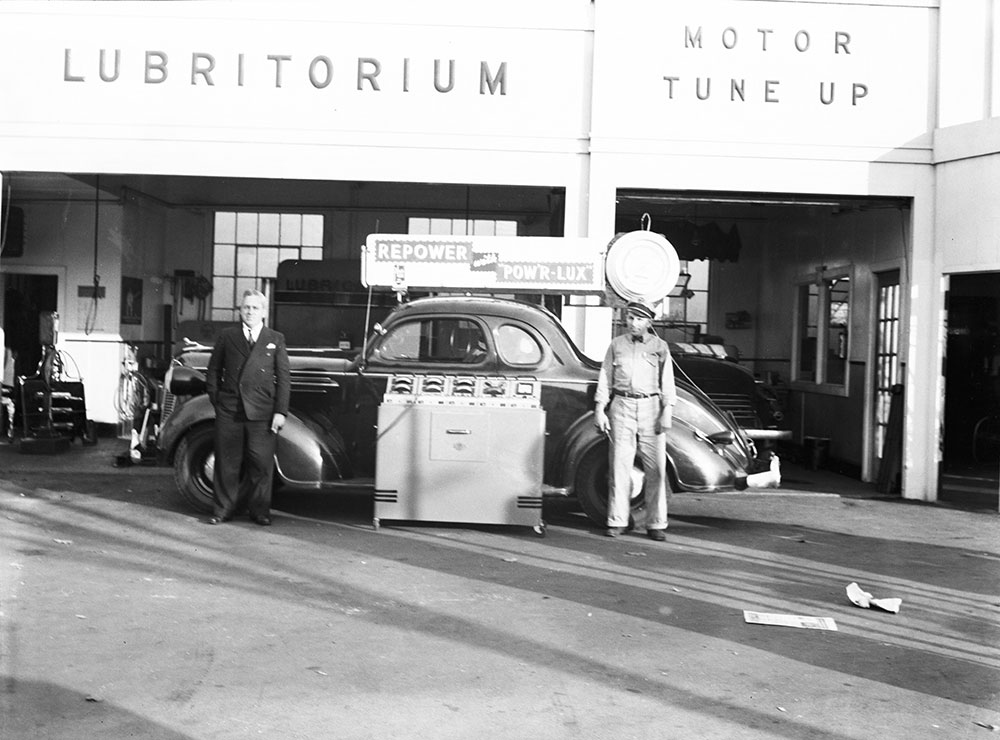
{"x": 740, "y": 406}
{"x": 167, "y": 405}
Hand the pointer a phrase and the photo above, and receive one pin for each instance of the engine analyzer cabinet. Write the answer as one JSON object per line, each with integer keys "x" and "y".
{"x": 460, "y": 449}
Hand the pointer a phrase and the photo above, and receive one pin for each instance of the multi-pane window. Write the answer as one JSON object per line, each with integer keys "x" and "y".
{"x": 248, "y": 248}
{"x": 686, "y": 307}
{"x": 822, "y": 327}
{"x": 462, "y": 227}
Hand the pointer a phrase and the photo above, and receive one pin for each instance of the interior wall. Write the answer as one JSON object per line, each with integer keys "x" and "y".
{"x": 777, "y": 252}
{"x": 143, "y": 249}
{"x": 65, "y": 239}
{"x": 135, "y": 238}
{"x": 62, "y": 235}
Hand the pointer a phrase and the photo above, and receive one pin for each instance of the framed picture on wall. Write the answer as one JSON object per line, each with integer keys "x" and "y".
{"x": 131, "y": 300}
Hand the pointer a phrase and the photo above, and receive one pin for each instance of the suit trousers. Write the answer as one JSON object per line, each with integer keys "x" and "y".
{"x": 244, "y": 464}
{"x": 633, "y": 427}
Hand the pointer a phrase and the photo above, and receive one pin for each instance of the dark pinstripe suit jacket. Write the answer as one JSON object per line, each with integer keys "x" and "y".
{"x": 257, "y": 379}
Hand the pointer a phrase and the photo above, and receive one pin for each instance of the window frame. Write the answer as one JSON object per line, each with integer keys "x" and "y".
{"x": 242, "y": 236}
{"x": 823, "y": 279}
{"x": 500, "y": 343}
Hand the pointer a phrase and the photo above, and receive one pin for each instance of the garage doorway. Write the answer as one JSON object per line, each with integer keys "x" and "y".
{"x": 26, "y": 297}
{"x": 970, "y": 469}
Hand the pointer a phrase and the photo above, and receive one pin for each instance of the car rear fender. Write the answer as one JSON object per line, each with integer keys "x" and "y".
{"x": 700, "y": 463}
{"x": 579, "y": 440}
{"x": 307, "y": 455}
{"x": 694, "y": 462}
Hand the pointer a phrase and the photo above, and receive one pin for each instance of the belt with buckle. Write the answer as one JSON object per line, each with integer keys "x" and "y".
{"x": 635, "y": 395}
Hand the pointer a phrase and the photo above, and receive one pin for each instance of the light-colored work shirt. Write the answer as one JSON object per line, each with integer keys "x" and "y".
{"x": 637, "y": 367}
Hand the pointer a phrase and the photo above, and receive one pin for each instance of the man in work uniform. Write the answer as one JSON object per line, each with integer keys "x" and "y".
{"x": 637, "y": 379}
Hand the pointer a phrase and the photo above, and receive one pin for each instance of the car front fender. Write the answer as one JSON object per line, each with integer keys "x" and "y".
{"x": 189, "y": 414}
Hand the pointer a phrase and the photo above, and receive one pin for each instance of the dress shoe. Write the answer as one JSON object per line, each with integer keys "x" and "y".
{"x": 656, "y": 534}
{"x": 264, "y": 521}
{"x": 217, "y": 520}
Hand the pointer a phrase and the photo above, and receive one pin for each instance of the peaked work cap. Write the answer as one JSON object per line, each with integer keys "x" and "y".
{"x": 641, "y": 309}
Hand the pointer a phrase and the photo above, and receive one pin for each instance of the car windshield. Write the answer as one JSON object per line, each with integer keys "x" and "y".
{"x": 445, "y": 340}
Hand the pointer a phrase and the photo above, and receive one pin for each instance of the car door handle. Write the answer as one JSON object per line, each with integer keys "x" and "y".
{"x": 458, "y": 431}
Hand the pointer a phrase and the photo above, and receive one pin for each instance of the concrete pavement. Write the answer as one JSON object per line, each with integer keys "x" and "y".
{"x": 124, "y": 616}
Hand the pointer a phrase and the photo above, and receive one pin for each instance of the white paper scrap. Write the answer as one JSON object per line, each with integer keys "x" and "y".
{"x": 865, "y": 600}
{"x": 790, "y": 620}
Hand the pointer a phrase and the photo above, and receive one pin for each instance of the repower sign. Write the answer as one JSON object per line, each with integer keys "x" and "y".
{"x": 494, "y": 263}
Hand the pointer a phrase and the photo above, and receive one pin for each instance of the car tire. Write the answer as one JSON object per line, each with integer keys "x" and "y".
{"x": 194, "y": 467}
{"x": 592, "y": 486}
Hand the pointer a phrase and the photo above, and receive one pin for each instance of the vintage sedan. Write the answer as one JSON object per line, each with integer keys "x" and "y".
{"x": 330, "y": 439}
{"x": 754, "y": 404}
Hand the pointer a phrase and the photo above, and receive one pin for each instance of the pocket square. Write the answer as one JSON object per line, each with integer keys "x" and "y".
{"x": 271, "y": 345}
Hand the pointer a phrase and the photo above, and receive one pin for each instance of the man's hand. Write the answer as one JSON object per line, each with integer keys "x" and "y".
{"x": 665, "y": 420}
{"x": 277, "y": 422}
{"x": 601, "y": 421}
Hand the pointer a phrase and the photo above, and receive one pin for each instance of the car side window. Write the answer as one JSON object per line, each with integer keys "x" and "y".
{"x": 517, "y": 347}
{"x": 401, "y": 343}
{"x": 445, "y": 340}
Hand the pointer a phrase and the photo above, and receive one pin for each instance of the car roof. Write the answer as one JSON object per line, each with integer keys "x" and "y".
{"x": 474, "y": 304}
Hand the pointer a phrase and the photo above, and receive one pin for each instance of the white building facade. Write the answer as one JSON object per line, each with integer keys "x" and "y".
{"x": 853, "y": 147}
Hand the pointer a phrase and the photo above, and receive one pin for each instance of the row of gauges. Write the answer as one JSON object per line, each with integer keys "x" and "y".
{"x": 470, "y": 386}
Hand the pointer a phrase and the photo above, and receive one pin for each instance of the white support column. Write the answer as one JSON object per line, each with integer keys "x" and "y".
{"x": 924, "y": 384}
{"x": 588, "y": 326}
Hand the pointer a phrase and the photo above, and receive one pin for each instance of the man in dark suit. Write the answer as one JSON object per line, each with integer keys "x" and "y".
{"x": 249, "y": 384}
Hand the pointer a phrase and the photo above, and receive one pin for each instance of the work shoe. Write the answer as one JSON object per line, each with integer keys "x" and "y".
{"x": 615, "y": 531}
{"x": 656, "y": 534}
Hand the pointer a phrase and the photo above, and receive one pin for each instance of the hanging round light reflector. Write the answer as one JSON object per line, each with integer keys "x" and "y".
{"x": 641, "y": 266}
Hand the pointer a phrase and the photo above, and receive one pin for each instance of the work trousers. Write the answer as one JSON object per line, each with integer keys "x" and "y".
{"x": 633, "y": 426}
{"x": 7, "y": 402}
{"x": 244, "y": 464}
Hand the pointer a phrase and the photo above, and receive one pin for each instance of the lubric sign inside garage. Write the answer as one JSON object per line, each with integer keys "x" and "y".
{"x": 494, "y": 263}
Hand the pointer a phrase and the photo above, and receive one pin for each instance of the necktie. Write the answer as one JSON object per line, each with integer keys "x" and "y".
{"x": 249, "y": 339}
